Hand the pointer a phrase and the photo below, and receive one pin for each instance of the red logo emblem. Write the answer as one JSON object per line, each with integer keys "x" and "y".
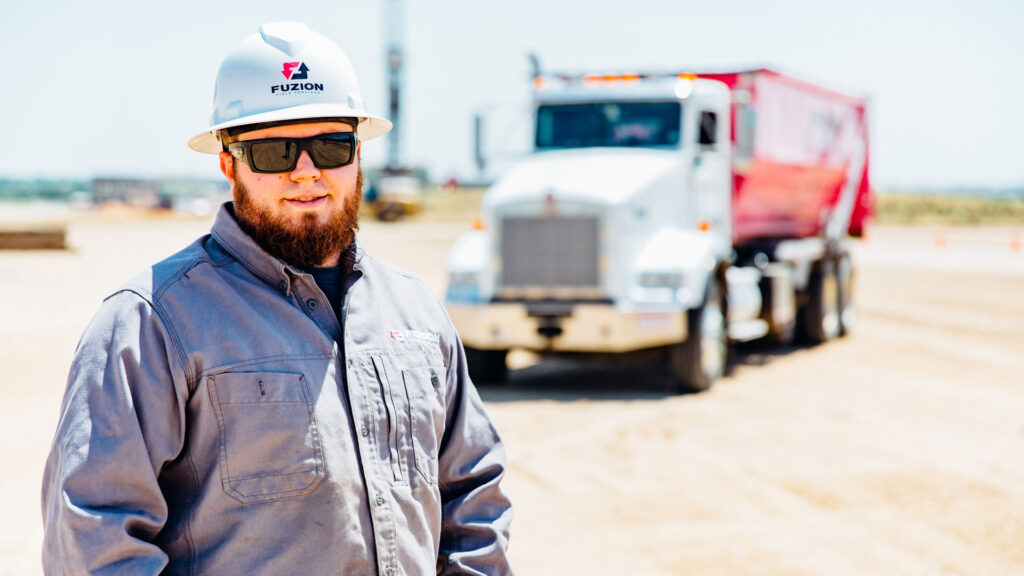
{"x": 290, "y": 72}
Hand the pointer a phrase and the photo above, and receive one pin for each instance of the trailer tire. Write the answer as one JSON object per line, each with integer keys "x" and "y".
{"x": 695, "y": 364}
{"x": 847, "y": 311}
{"x": 486, "y": 365}
{"x": 821, "y": 312}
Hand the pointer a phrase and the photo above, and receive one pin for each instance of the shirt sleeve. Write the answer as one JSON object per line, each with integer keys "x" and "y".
{"x": 122, "y": 419}
{"x": 475, "y": 512}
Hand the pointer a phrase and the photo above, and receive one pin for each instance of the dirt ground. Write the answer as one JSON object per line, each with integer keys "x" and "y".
{"x": 897, "y": 450}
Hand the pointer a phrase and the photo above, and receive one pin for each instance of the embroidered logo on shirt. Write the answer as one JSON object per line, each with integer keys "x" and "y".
{"x": 406, "y": 335}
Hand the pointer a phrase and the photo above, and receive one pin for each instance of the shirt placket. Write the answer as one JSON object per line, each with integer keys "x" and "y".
{"x": 375, "y": 472}
{"x": 316, "y": 306}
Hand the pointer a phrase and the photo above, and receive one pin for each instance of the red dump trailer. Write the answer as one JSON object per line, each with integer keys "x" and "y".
{"x": 797, "y": 147}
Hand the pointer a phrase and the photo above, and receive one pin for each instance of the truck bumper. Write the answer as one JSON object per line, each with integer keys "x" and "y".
{"x": 588, "y": 328}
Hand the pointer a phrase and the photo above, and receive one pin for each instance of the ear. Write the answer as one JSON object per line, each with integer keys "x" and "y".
{"x": 227, "y": 167}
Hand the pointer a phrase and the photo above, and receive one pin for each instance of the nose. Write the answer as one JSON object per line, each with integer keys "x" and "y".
{"x": 305, "y": 169}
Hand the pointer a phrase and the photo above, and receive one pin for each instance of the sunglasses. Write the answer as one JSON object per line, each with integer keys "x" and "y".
{"x": 276, "y": 155}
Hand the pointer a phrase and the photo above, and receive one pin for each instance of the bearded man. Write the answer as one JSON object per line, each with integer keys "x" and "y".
{"x": 272, "y": 399}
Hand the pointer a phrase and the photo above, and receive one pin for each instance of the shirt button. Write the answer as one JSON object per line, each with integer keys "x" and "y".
{"x": 311, "y": 304}
{"x": 380, "y": 500}
{"x": 388, "y": 571}
{"x": 363, "y": 430}
{"x": 435, "y": 380}
{"x": 282, "y": 286}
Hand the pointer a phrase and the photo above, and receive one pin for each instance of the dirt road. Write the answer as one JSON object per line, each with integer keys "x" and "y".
{"x": 897, "y": 450}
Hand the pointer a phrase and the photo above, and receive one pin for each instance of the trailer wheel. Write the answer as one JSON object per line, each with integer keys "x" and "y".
{"x": 695, "y": 364}
{"x": 486, "y": 365}
{"x": 847, "y": 311}
{"x": 821, "y": 313}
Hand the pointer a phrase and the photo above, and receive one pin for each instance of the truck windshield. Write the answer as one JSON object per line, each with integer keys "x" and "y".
{"x": 608, "y": 124}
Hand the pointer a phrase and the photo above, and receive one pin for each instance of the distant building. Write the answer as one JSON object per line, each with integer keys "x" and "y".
{"x": 187, "y": 195}
{"x": 144, "y": 193}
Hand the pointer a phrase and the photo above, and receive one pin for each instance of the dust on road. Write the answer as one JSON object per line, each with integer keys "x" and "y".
{"x": 897, "y": 450}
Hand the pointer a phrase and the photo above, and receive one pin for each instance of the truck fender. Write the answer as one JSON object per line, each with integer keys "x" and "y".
{"x": 674, "y": 251}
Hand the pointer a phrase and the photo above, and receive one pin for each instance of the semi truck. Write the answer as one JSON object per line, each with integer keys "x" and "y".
{"x": 671, "y": 213}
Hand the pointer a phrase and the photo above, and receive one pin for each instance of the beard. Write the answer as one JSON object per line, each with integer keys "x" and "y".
{"x": 304, "y": 245}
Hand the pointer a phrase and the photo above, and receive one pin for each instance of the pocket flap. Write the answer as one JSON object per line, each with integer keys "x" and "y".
{"x": 258, "y": 387}
{"x": 420, "y": 382}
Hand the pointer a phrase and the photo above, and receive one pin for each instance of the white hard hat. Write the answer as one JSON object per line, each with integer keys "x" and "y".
{"x": 285, "y": 72}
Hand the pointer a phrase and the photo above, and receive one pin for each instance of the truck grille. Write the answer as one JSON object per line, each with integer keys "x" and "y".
{"x": 550, "y": 252}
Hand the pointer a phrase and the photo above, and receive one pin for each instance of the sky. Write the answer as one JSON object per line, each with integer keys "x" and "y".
{"x": 116, "y": 87}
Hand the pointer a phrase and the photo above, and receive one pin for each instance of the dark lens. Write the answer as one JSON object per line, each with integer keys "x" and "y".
{"x": 273, "y": 155}
{"x": 332, "y": 151}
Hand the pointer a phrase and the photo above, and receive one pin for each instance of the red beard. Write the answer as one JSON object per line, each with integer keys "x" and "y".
{"x": 306, "y": 245}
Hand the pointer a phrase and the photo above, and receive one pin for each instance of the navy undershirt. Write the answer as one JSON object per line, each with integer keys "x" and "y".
{"x": 329, "y": 280}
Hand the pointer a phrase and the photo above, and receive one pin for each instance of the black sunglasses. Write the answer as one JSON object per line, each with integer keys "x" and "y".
{"x": 275, "y": 155}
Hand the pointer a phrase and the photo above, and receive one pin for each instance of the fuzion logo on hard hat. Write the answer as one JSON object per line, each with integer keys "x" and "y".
{"x": 296, "y": 71}
{"x": 290, "y": 73}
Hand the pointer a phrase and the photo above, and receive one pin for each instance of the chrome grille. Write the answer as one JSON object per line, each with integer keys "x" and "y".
{"x": 550, "y": 252}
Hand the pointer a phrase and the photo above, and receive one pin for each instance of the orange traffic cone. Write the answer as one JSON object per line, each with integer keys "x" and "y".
{"x": 1015, "y": 242}
{"x": 940, "y": 239}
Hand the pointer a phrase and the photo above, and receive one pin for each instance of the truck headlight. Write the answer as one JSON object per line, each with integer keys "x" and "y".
{"x": 463, "y": 278}
{"x": 664, "y": 287}
{"x": 662, "y": 280}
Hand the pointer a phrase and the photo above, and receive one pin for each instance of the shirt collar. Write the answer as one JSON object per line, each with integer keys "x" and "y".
{"x": 274, "y": 271}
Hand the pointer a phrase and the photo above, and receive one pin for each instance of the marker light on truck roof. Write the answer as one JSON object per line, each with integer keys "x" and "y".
{"x": 683, "y": 87}
{"x": 600, "y": 79}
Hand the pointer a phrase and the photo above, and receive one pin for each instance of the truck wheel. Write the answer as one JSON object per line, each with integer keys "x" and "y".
{"x": 783, "y": 334}
{"x": 780, "y": 333}
{"x": 486, "y": 365}
{"x": 847, "y": 312}
{"x": 696, "y": 363}
{"x": 821, "y": 313}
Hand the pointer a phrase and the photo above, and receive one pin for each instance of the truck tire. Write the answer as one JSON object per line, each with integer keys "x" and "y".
{"x": 695, "y": 364}
{"x": 486, "y": 365}
{"x": 780, "y": 332}
{"x": 821, "y": 312}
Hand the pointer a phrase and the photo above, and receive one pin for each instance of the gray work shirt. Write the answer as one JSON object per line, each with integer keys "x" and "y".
{"x": 212, "y": 424}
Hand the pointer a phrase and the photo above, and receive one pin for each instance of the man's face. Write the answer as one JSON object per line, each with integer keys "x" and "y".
{"x": 306, "y": 217}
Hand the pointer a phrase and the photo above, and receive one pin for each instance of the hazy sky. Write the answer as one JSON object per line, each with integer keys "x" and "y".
{"x": 116, "y": 87}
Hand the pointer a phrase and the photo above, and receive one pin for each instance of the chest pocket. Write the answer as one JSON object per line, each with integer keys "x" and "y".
{"x": 425, "y": 390}
{"x": 413, "y": 414}
{"x": 269, "y": 443}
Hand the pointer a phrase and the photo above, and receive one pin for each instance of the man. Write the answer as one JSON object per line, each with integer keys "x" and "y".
{"x": 272, "y": 399}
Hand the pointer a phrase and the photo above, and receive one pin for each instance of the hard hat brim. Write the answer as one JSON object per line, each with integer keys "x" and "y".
{"x": 370, "y": 125}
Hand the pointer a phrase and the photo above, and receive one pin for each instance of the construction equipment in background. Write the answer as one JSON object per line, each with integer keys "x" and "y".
{"x": 47, "y": 236}
{"x": 397, "y": 195}
{"x": 398, "y": 190}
